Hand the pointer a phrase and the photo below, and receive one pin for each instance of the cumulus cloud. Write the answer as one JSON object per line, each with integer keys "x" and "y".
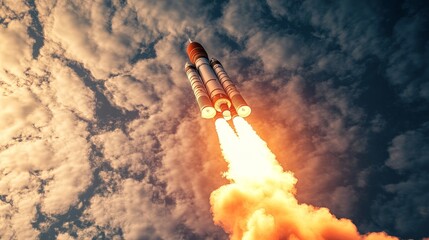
{"x": 406, "y": 69}
{"x": 408, "y": 150}
{"x": 105, "y": 45}
{"x": 15, "y": 50}
{"x": 72, "y": 175}
{"x": 131, "y": 210}
{"x": 18, "y": 216}
{"x": 278, "y": 52}
{"x": 21, "y": 115}
{"x": 193, "y": 155}
{"x": 42, "y": 161}
{"x": 98, "y": 135}
{"x": 121, "y": 152}
{"x": 71, "y": 91}
{"x": 407, "y": 156}
{"x": 130, "y": 93}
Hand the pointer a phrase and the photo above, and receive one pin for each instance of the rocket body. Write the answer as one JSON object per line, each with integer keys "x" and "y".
{"x": 214, "y": 91}
{"x": 205, "y": 104}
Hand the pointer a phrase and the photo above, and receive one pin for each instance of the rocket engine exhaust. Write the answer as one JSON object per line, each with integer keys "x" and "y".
{"x": 259, "y": 202}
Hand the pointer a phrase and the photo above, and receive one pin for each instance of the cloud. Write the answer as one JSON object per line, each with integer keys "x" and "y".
{"x": 15, "y": 51}
{"x": 18, "y": 214}
{"x": 278, "y": 52}
{"x": 132, "y": 210}
{"x": 279, "y": 8}
{"x": 44, "y": 163}
{"x": 173, "y": 18}
{"x": 44, "y": 152}
{"x": 122, "y": 152}
{"x": 241, "y": 19}
{"x": 98, "y": 134}
{"x": 187, "y": 163}
{"x": 259, "y": 201}
{"x": 71, "y": 91}
{"x": 104, "y": 45}
{"x": 314, "y": 134}
{"x": 408, "y": 150}
{"x": 130, "y": 93}
{"x": 21, "y": 116}
{"x": 406, "y": 68}
{"x": 407, "y": 156}
{"x": 73, "y": 175}
{"x": 355, "y": 29}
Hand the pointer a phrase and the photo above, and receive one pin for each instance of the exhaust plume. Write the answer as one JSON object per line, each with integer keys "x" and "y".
{"x": 259, "y": 202}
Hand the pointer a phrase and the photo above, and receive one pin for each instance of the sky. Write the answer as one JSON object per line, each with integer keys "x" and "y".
{"x": 100, "y": 134}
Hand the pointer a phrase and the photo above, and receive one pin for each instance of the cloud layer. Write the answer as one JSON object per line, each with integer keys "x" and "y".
{"x": 100, "y": 136}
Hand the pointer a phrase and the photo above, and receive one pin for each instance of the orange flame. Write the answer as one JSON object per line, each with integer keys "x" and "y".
{"x": 260, "y": 202}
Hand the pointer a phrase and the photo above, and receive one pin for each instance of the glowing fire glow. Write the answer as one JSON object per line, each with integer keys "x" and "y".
{"x": 259, "y": 203}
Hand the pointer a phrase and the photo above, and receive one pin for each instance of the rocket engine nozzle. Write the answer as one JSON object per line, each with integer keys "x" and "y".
{"x": 226, "y": 113}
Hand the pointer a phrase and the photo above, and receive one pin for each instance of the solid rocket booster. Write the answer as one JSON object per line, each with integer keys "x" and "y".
{"x": 214, "y": 91}
{"x": 206, "y": 107}
{"x": 243, "y": 110}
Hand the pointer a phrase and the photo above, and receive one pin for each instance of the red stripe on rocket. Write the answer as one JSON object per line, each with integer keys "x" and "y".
{"x": 214, "y": 91}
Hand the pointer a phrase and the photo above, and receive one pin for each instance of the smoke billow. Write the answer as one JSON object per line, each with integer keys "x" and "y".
{"x": 260, "y": 202}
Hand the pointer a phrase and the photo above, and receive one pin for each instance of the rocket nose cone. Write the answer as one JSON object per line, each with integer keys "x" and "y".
{"x": 195, "y": 51}
{"x": 214, "y": 61}
{"x": 189, "y": 66}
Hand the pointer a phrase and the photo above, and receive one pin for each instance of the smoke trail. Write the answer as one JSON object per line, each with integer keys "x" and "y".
{"x": 259, "y": 203}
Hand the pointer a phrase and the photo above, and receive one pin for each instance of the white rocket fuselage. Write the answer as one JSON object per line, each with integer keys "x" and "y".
{"x": 216, "y": 86}
{"x": 206, "y": 106}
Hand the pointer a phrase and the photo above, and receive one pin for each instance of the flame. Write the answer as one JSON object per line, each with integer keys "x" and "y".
{"x": 260, "y": 203}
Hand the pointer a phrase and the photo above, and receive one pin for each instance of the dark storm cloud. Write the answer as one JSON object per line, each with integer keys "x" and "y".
{"x": 408, "y": 157}
{"x": 407, "y": 210}
{"x": 408, "y": 150}
{"x": 103, "y": 124}
{"x": 407, "y": 66}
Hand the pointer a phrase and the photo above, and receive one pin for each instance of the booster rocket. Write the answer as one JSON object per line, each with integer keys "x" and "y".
{"x": 214, "y": 91}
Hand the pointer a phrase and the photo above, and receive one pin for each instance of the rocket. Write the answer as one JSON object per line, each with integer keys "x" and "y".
{"x": 214, "y": 91}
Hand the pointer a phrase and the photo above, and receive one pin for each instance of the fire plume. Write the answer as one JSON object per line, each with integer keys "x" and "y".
{"x": 259, "y": 202}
